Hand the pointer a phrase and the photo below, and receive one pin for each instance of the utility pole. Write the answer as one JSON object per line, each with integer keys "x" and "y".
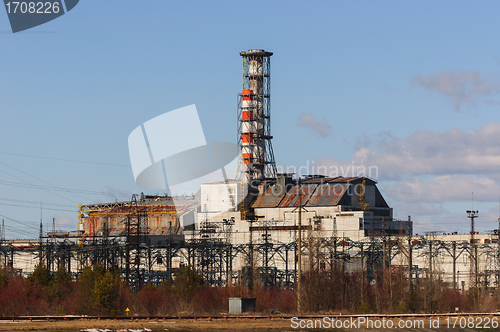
{"x": 52, "y": 246}
{"x": 2, "y": 239}
{"x": 335, "y": 238}
{"x": 410, "y": 254}
{"x": 267, "y": 279}
{"x": 299, "y": 244}
{"x": 472, "y": 214}
{"x": 384, "y": 243}
{"x": 40, "y": 244}
{"x": 498, "y": 254}
{"x": 454, "y": 243}
{"x": 40, "y": 249}
{"x": 430, "y": 258}
{"x": 362, "y": 273}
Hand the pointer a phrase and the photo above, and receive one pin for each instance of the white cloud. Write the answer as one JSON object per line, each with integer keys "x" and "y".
{"x": 430, "y": 175}
{"x": 63, "y": 222}
{"x": 445, "y": 188}
{"x": 416, "y": 208}
{"x": 460, "y": 87}
{"x": 320, "y": 128}
{"x": 430, "y": 167}
{"x": 333, "y": 167}
{"x": 451, "y": 151}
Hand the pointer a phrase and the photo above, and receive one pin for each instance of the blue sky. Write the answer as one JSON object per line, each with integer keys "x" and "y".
{"x": 409, "y": 87}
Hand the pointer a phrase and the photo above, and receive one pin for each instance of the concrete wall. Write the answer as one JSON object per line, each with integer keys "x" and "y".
{"x": 216, "y": 197}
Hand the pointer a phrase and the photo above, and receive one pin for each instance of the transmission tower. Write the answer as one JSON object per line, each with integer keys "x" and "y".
{"x": 136, "y": 222}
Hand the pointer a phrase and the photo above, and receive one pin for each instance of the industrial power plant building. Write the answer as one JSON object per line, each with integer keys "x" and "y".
{"x": 254, "y": 228}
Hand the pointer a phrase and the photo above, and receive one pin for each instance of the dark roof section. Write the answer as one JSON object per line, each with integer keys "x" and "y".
{"x": 328, "y": 195}
{"x": 269, "y": 198}
{"x": 292, "y": 196}
{"x": 316, "y": 191}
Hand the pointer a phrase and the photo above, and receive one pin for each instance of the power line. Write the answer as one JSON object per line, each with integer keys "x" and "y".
{"x": 31, "y": 184}
{"x": 87, "y": 162}
{"x": 69, "y": 190}
{"x": 63, "y": 159}
{"x": 34, "y": 177}
{"x": 34, "y": 202}
{"x": 35, "y": 207}
{"x": 19, "y": 221}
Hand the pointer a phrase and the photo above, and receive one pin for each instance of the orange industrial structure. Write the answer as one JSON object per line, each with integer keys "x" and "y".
{"x": 110, "y": 219}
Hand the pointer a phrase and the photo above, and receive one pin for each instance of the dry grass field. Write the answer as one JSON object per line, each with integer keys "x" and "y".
{"x": 273, "y": 324}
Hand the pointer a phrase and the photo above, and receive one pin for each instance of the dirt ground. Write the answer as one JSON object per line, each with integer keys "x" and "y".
{"x": 151, "y": 325}
{"x": 273, "y": 324}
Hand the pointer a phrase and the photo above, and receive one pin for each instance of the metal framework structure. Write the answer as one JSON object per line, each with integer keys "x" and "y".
{"x": 268, "y": 261}
{"x": 136, "y": 230}
{"x": 256, "y": 156}
{"x": 472, "y": 214}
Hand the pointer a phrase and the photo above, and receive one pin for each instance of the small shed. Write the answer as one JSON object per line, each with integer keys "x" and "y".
{"x": 238, "y": 305}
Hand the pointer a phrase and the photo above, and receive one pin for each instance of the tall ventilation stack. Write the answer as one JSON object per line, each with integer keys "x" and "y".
{"x": 256, "y": 156}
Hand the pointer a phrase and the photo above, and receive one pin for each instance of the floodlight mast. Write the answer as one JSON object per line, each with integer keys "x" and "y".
{"x": 472, "y": 214}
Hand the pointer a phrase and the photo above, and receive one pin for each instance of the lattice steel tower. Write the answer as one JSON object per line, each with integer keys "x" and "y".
{"x": 256, "y": 156}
